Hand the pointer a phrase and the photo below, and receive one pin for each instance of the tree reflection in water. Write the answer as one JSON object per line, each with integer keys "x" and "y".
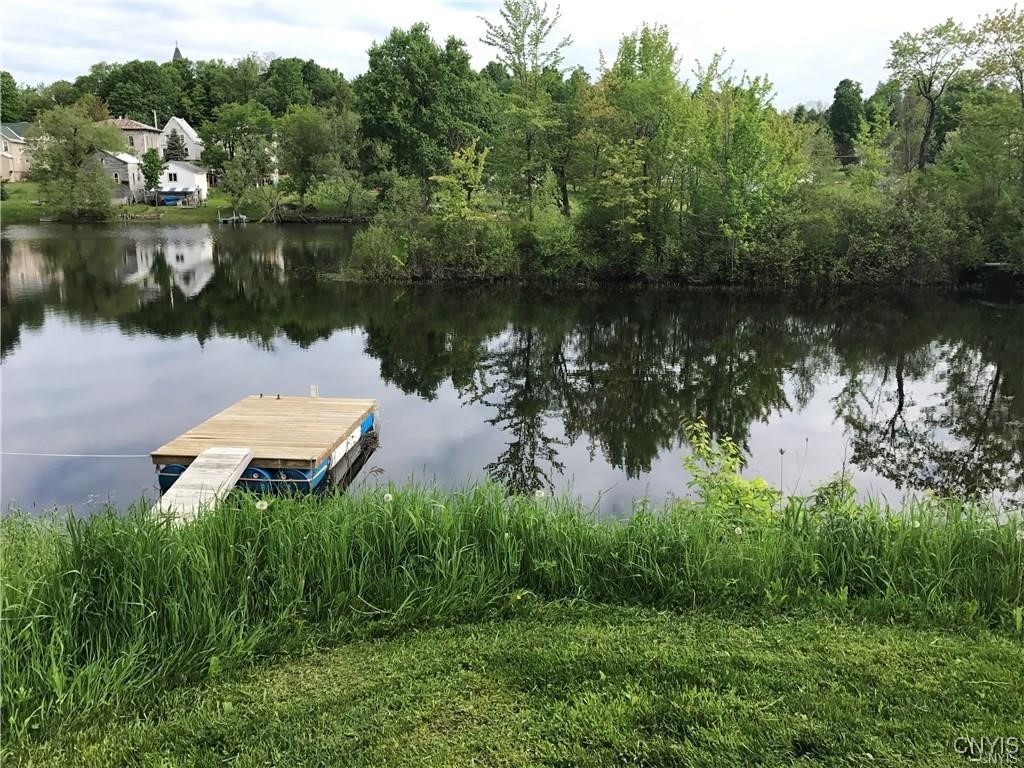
{"x": 930, "y": 387}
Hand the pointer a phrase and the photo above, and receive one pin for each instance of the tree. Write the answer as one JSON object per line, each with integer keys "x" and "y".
{"x": 249, "y": 167}
{"x": 1001, "y": 36}
{"x": 283, "y": 86}
{"x": 152, "y": 168}
{"x": 455, "y": 189}
{"x": 313, "y": 145}
{"x": 421, "y": 100}
{"x": 521, "y": 41}
{"x": 64, "y": 143}
{"x": 925, "y": 63}
{"x": 175, "y": 149}
{"x": 233, "y": 123}
{"x": 139, "y": 88}
{"x": 93, "y": 106}
{"x": 12, "y": 103}
{"x": 846, "y": 113}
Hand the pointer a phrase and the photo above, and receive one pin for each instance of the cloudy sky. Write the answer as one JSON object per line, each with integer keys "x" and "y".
{"x": 805, "y": 46}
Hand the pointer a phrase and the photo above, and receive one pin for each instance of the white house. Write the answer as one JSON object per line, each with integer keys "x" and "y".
{"x": 193, "y": 144}
{"x": 130, "y": 185}
{"x": 183, "y": 182}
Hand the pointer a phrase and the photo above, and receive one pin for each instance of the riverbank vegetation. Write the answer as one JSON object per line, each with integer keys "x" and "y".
{"x": 102, "y": 612}
{"x": 641, "y": 170}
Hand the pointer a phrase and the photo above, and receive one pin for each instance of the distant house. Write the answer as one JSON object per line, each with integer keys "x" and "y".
{"x": 183, "y": 182}
{"x": 130, "y": 185}
{"x": 193, "y": 144}
{"x": 139, "y": 136}
{"x": 14, "y": 159}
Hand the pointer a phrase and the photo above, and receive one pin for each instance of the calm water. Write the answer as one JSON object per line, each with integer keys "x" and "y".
{"x": 116, "y": 339}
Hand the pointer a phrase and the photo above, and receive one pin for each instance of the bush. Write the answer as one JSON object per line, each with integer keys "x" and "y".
{"x": 379, "y": 254}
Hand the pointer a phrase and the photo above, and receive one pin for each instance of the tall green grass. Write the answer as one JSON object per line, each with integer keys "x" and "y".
{"x": 101, "y": 611}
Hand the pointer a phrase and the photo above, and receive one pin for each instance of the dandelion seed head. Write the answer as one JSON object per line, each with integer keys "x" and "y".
{"x": 261, "y": 504}
{"x": 538, "y": 494}
{"x": 388, "y": 498}
{"x": 739, "y": 531}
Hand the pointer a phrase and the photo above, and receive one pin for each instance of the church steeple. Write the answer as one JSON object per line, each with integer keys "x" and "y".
{"x": 177, "y": 54}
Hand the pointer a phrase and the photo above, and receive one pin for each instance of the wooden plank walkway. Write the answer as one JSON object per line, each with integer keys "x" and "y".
{"x": 281, "y": 432}
{"x": 207, "y": 480}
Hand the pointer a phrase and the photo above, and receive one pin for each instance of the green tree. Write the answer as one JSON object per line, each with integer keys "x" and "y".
{"x": 233, "y": 123}
{"x": 175, "y": 149}
{"x": 152, "y": 168}
{"x": 283, "y": 86}
{"x": 455, "y": 189}
{"x": 64, "y": 143}
{"x": 421, "y": 100}
{"x": 846, "y": 113}
{"x": 313, "y": 145}
{"x": 925, "y": 63}
{"x": 250, "y": 167}
{"x": 1001, "y": 37}
{"x": 523, "y": 49}
{"x": 138, "y": 88}
{"x": 12, "y": 103}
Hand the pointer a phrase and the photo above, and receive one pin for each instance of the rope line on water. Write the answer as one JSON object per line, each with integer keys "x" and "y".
{"x": 78, "y": 455}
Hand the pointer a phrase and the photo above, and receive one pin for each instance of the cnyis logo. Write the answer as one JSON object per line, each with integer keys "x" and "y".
{"x": 991, "y": 750}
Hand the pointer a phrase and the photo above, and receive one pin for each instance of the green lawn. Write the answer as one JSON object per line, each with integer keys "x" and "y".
{"x": 566, "y": 685}
{"x": 20, "y": 208}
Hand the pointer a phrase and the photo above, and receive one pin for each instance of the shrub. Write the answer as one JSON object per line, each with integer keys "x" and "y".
{"x": 378, "y": 253}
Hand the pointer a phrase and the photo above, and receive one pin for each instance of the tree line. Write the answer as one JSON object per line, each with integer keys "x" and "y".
{"x": 643, "y": 171}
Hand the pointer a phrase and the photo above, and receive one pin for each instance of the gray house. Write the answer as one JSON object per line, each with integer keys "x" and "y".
{"x": 130, "y": 185}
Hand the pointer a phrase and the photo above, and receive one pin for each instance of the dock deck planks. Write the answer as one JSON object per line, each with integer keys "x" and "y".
{"x": 297, "y": 432}
{"x": 207, "y": 480}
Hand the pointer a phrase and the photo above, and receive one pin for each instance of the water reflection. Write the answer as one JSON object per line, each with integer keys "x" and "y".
{"x": 927, "y": 389}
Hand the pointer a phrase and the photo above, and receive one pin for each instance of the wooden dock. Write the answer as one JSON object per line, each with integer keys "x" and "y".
{"x": 274, "y": 433}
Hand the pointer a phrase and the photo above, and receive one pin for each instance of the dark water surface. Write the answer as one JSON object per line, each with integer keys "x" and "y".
{"x": 116, "y": 339}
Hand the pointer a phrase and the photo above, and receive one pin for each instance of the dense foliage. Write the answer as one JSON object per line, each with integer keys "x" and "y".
{"x": 639, "y": 171}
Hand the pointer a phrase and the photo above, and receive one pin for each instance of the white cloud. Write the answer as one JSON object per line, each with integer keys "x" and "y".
{"x": 804, "y": 46}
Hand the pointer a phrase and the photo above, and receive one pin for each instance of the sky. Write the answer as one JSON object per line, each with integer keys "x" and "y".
{"x": 804, "y": 46}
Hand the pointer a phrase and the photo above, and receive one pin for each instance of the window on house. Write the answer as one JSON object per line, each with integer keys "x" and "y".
{"x": 131, "y": 141}
{"x": 172, "y": 177}
{"x": 179, "y": 257}
{"x": 186, "y": 151}
{"x": 6, "y": 147}
{"x": 116, "y": 177}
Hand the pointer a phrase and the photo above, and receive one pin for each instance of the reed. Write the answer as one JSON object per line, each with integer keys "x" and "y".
{"x": 98, "y": 612}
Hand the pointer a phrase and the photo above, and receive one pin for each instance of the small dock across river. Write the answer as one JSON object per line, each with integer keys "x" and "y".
{"x": 260, "y": 442}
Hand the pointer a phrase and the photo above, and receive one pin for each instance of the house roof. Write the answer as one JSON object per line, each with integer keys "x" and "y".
{"x": 124, "y": 157}
{"x": 127, "y": 124}
{"x": 182, "y": 126}
{"x": 15, "y": 131}
{"x": 186, "y": 166}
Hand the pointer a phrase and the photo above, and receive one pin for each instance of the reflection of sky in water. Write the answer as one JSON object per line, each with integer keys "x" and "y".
{"x": 87, "y": 386}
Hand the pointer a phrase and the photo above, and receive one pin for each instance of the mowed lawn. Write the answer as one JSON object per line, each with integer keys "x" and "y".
{"x": 582, "y": 685}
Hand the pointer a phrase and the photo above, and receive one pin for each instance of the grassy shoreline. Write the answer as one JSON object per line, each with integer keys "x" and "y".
{"x": 21, "y": 208}
{"x": 99, "y": 614}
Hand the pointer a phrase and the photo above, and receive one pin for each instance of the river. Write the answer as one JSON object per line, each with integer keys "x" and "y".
{"x": 116, "y": 339}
